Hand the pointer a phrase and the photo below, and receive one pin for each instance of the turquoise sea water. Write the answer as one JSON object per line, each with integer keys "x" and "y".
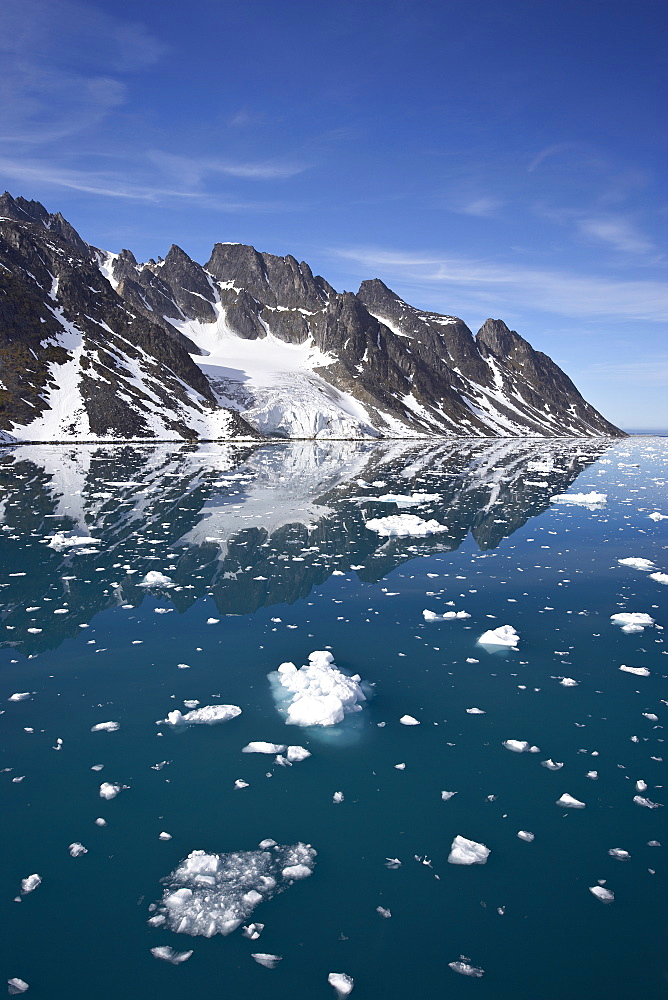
{"x": 259, "y": 544}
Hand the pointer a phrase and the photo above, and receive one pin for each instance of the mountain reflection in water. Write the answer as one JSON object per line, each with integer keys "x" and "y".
{"x": 250, "y": 526}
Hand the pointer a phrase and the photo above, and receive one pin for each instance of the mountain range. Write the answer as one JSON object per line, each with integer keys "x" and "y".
{"x": 95, "y": 346}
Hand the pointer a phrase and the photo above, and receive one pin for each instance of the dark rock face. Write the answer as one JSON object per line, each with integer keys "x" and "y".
{"x": 134, "y": 334}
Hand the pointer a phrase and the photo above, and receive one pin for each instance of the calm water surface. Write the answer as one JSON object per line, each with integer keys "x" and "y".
{"x": 269, "y": 559}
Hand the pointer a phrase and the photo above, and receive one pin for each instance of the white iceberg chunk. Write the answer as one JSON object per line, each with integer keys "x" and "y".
{"x": 431, "y": 616}
{"x": 337, "y": 797}
{"x": 207, "y": 715}
{"x": 404, "y": 526}
{"x": 261, "y": 747}
{"x": 295, "y": 754}
{"x": 466, "y": 969}
{"x": 30, "y": 883}
{"x": 16, "y": 986}
{"x": 109, "y": 790}
{"x": 168, "y": 954}
{"x": 269, "y": 961}
{"x": 252, "y": 931}
{"x": 525, "y": 835}
{"x": 63, "y": 540}
{"x": 619, "y": 853}
{"x": 240, "y": 783}
{"x": 164, "y": 836}
{"x": 408, "y": 720}
{"x": 467, "y": 852}
{"x": 475, "y": 711}
{"x": 106, "y": 727}
{"x": 211, "y": 894}
{"x": 504, "y": 635}
{"x": 632, "y": 621}
{"x": 647, "y": 803}
{"x": 568, "y": 802}
{"x": 638, "y": 671}
{"x": 318, "y": 694}
{"x": 19, "y": 696}
{"x": 568, "y": 682}
{"x": 445, "y": 796}
{"x": 636, "y": 562}
{"x": 155, "y": 579}
{"x": 517, "y": 746}
{"x": 659, "y": 577}
{"x": 342, "y": 983}
{"x": 605, "y": 895}
{"x": 77, "y": 849}
{"x": 383, "y": 912}
{"x": 592, "y": 499}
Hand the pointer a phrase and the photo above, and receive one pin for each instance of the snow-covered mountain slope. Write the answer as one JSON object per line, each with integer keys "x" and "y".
{"x": 96, "y": 346}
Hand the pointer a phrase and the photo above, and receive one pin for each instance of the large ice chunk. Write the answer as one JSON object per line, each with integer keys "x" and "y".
{"x": 207, "y": 715}
{"x": 605, "y": 895}
{"x": 636, "y": 562}
{"x": 467, "y": 852}
{"x": 342, "y": 983}
{"x": 592, "y": 499}
{"x": 568, "y": 802}
{"x": 638, "y": 671}
{"x": 504, "y": 635}
{"x": 261, "y": 747}
{"x": 466, "y": 969}
{"x": 30, "y": 883}
{"x": 404, "y": 525}
{"x": 63, "y": 540}
{"x": 156, "y": 579}
{"x": 632, "y": 621}
{"x": 317, "y": 694}
{"x": 215, "y": 893}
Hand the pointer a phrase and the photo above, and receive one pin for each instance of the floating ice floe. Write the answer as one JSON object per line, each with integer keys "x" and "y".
{"x": 155, "y": 579}
{"x": 76, "y": 850}
{"x": 592, "y": 499}
{"x": 317, "y": 694}
{"x": 19, "y": 696}
{"x": 215, "y": 893}
{"x": 16, "y": 986}
{"x": 605, "y": 895}
{"x": 164, "y": 836}
{"x": 632, "y": 621}
{"x": 568, "y": 682}
{"x": 520, "y": 746}
{"x": 655, "y": 516}
{"x": 342, "y": 983}
{"x": 466, "y": 969}
{"x": 295, "y": 754}
{"x": 337, "y": 798}
{"x": 404, "y": 526}
{"x": 63, "y": 540}
{"x": 408, "y": 720}
{"x": 619, "y": 853}
{"x": 252, "y": 931}
{"x": 106, "y": 727}
{"x": 638, "y": 671}
{"x": 30, "y": 883}
{"x": 382, "y": 911}
{"x": 268, "y": 961}
{"x": 659, "y": 577}
{"x": 636, "y": 562}
{"x": 475, "y": 711}
{"x": 261, "y": 747}
{"x": 431, "y": 616}
{"x": 208, "y": 715}
{"x": 504, "y": 635}
{"x": 445, "y": 796}
{"x": 239, "y": 784}
{"x": 109, "y": 790}
{"x": 467, "y": 852}
{"x": 525, "y": 835}
{"x": 641, "y": 786}
{"x": 568, "y": 802}
{"x": 402, "y": 500}
{"x": 647, "y": 803}
{"x": 168, "y": 954}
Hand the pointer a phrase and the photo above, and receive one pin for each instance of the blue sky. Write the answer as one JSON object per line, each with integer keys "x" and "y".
{"x": 482, "y": 158}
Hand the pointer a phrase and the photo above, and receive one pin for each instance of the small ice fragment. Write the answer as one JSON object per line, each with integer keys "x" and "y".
{"x": 525, "y": 835}
{"x": 467, "y": 852}
{"x": 568, "y": 682}
{"x": 466, "y": 969}
{"x": 619, "y": 853}
{"x": 552, "y": 765}
{"x": 641, "y": 786}
{"x": 296, "y": 871}
{"x": 469, "y": 659}
{"x": 342, "y": 983}
{"x": 207, "y": 715}
{"x": 168, "y": 954}
{"x": 100, "y": 822}
{"x": 568, "y": 802}
{"x": 240, "y": 784}
{"x": 592, "y": 499}
{"x": 164, "y": 836}
{"x": 77, "y": 849}
{"x": 392, "y": 863}
{"x": 658, "y": 517}
{"x": 475, "y": 711}
{"x": 16, "y": 985}
{"x": 638, "y": 671}
{"x": 267, "y": 843}
{"x": 651, "y": 716}
{"x": 400, "y": 767}
{"x": 647, "y": 803}
{"x": 605, "y": 895}
{"x": 383, "y": 912}
{"x": 504, "y": 635}
{"x": 212, "y": 621}
{"x": 592, "y": 774}
{"x": 106, "y": 727}
{"x": 635, "y": 562}
{"x": 447, "y": 795}
{"x": 261, "y": 747}
{"x": 269, "y": 961}
{"x": 252, "y": 931}
{"x": 19, "y": 696}
{"x": 517, "y": 746}
{"x": 659, "y": 577}
{"x": 30, "y": 883}
{"x": 295, "y": 754}
{"x": 404, "y": 525}
{"x": 408, "y": 720}
{"x": 155, "y": 579}
{"x": 338, "y": 797}
{"x": 109, "y": 790}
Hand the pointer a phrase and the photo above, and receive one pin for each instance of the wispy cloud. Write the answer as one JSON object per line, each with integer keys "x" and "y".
{"x": 515, "y": 288}
{"x": 192, "y": 170}
{"x": 617, "y": 232}
{"x": 654, "y": 372}
{"x": 483, "y": 207}
{"x": 554, "y": 150}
